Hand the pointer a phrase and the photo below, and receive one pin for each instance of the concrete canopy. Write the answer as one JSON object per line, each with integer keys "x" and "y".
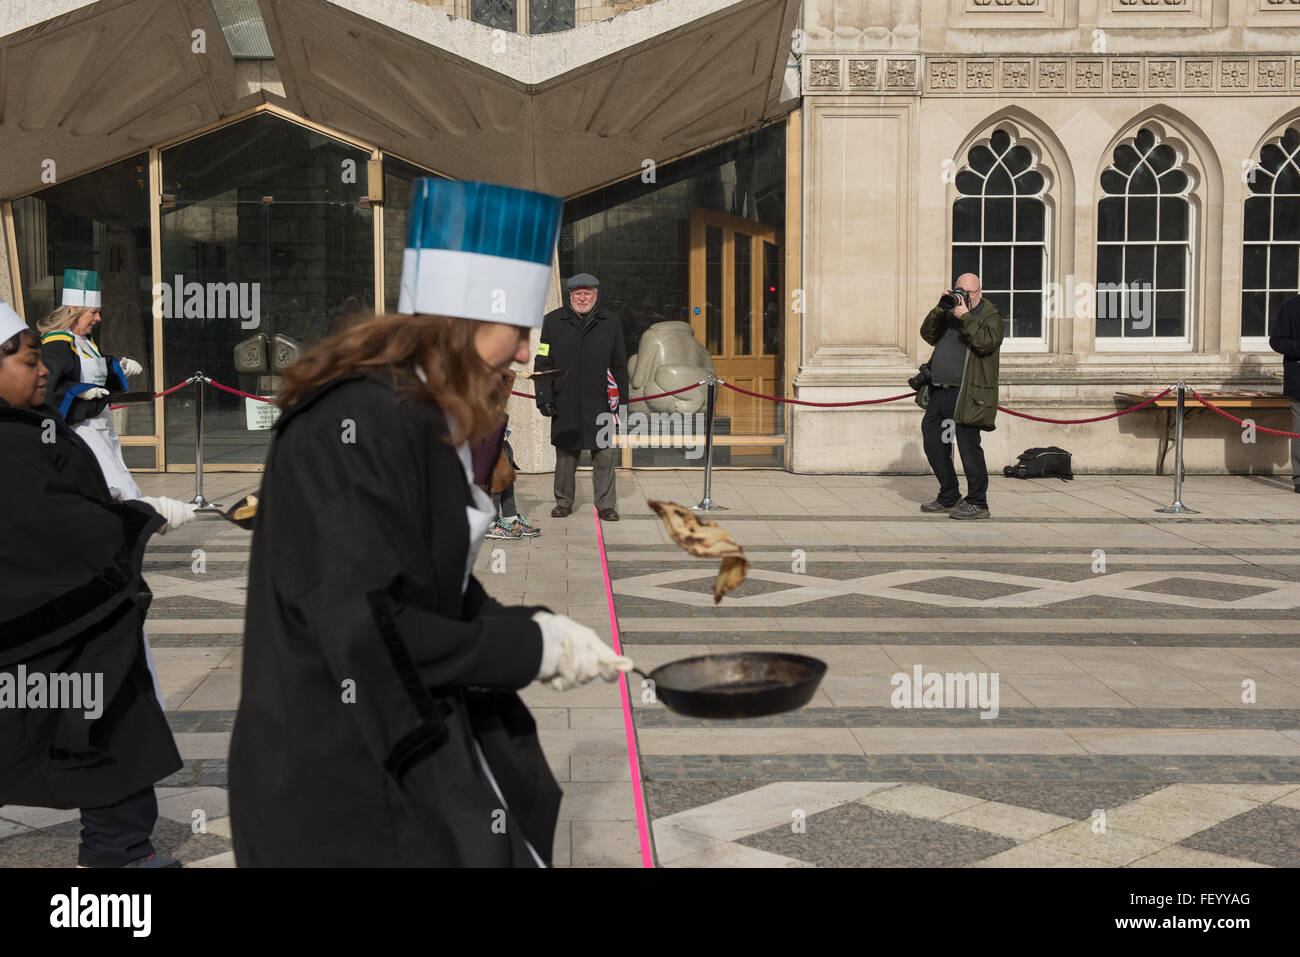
{"x": 91, "y": 83}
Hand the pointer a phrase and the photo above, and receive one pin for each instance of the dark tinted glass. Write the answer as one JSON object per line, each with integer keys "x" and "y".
{"x": 1169, "y": 313}
{"x": 1170, "y": 261}
{"x": 966, "y": 220}
{"x": 1254, "y": 267}
{"x": 1253, "y": 305}
{"x": 1257, "y": 218}
{"x": 1139, "y": 263}
{"x": 1031, "y": 216}
{"x": 1141, "y": 218}
{"x": 1110, "y": 219}
{"x": 1173, "y": 219}
{"x": 1028, "y": 262}
{"x": 998, "y": 217}
{"x": 997, "y": 267}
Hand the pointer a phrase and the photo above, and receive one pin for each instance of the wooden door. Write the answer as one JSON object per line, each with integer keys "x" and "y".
{"x": 737, "y": 296}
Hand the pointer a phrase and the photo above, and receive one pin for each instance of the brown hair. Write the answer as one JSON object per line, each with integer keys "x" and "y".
{"x": 459, "y": 381}
{"x": 64, "y": 317}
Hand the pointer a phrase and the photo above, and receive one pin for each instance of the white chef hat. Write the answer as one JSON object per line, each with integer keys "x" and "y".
{"x": 478, "y": 251}
{"x": 10, "y": 322}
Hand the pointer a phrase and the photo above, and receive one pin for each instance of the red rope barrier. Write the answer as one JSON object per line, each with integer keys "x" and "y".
{"x": 1095, "y": 418}
{"x": 156, "y": 395}
{"x": 246, "y": 395}
{"x": 820, "y": 405}
{"x": 1229, "y": 415}
{"x": 644, "y": 398}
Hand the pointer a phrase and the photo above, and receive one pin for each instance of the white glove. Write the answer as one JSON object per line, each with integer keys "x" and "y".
{"x": 175, "y": 511}
{"x": 94, "y": 392}
{"x": 572, "y": 654}
{"x": 130, "y": 366}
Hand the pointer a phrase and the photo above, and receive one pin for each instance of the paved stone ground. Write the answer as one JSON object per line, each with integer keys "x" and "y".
{"x": 1122, "y": 737}
{"x": 1119, "y": 691}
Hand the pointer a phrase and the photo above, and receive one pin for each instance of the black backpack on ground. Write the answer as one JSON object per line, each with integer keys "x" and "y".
{"x": 1041, "y": 463}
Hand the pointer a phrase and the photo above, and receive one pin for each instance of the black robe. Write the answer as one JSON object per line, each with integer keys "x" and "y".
{"x": 73, "y": 600}
{"x": 582, "y": 396}
{"x": 64, "y": 385}
{"x": 368, "y": 677}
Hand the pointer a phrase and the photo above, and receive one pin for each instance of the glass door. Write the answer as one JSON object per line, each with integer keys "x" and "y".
{"x": 263, "y": 233}
{"x": 736, "y": 291}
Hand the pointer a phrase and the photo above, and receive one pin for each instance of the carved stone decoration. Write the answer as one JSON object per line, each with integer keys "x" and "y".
{"x": 1162, "y": 74}
{"x": 943, "y": 74}
{"x": 863, "y": 74}
{"x": 1087, "y": 75}
{"x": 979, "y": 74}
{"x": 1198, "y": 74}
{"x": 824, "y": 73}
{"x": 1271, "y": 73}
{"x": 1051, "y": 75}
{"x": 1235, "y": 73}
{"x": 1295, "y": 72}
{"x": 1125, "y": 74}
{"x": 1015, "y": 75}
{"x": 1154, "y": 3}
{"x": 900, "y": 74}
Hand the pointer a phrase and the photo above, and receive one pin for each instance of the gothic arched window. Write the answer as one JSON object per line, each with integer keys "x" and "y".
{"x": 1270, "y": 254}
{"x": 1144, "y": 249}
{"x": 999, "y": 231}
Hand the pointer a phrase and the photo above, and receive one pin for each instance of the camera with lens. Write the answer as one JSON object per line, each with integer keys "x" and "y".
{"x": 952, "y": 297}
{"x": 921, "y": 378}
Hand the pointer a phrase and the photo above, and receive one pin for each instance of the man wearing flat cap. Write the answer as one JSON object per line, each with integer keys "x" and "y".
{"x": 586, "y": 342}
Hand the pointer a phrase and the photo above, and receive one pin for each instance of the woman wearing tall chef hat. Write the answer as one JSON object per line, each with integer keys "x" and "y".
{"x": 80, "y": 724}
{"x": 81, "y": 377}
{"x": 379, "y": 722}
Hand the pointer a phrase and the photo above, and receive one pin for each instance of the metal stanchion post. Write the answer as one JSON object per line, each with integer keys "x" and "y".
{"x": 707, "y": 504}
{"x": 203, "y": 504}
{"x": 1178, "y": 508}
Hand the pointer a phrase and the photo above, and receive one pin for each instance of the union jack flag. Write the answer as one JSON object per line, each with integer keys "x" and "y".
{"x": 611, "y": 387}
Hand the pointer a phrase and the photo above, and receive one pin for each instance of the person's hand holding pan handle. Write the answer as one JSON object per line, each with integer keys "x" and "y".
{"x": 573, "y": 654}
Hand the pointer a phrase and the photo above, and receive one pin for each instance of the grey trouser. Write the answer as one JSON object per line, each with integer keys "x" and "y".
{"x": 1295, "y": 443}
{"x": 602, "y": 477}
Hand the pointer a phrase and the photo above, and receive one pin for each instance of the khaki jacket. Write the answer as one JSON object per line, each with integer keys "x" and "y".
{"x": 977, "y": 401}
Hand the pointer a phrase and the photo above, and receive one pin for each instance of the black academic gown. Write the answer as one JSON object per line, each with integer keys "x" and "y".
{"x": 581, "y": 396}
{"x": 368, "y": 677}
{"x": 73, "y": 599}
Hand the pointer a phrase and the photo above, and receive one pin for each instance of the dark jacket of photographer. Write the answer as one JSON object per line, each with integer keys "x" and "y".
{"x": 981, "y": 333}
{"x": 1285, "y": 339}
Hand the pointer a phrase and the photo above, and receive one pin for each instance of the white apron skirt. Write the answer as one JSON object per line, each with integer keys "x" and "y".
{"x": 98, "y": 433}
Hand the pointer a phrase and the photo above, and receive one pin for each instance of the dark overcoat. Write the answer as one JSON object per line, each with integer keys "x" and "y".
{"x": 581, "y": 396}
{"x": 369, "y": 680}
{"x": 1285, "y": 338}
{"x": 73, "y": 600}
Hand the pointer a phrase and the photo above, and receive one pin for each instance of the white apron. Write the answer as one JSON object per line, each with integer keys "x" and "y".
{"x": 98, "y": 432}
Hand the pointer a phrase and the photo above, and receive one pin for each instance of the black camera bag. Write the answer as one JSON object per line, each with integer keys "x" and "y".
{"x": 1041, "y": 463}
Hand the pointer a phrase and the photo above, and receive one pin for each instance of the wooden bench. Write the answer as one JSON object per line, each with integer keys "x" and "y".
{"x": 1225, "y": 400}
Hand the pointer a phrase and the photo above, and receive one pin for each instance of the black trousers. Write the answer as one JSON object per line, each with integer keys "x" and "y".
{"x": 942, "y": 407}
{"x": 118, "y": 834}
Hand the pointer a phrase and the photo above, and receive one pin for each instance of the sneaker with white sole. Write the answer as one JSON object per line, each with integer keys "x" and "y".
{"x": 502, "y": 532}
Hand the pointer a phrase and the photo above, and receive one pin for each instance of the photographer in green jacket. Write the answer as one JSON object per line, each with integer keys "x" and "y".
{"x": 961, "y": 397}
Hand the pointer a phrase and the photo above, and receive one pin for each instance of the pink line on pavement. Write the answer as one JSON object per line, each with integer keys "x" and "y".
{"x": 647, "y": 858}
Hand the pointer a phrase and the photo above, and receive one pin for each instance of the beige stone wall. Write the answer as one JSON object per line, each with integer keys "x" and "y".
{"x": 895, "y": 95}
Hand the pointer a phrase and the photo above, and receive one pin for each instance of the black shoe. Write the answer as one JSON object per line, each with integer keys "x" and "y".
{"x": 938, "y": 506}
{"x": 561, "y": 511}
{"x": 965, "y": 510}
{"x": 608, "y": 515}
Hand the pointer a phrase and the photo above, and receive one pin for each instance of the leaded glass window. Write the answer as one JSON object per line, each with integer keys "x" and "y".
{"x": 1271, "y": 234}
{"x": 1144, "y": 250}
{"x": 497, "y": 14}
{"x": 550, "y": 16}
{"x": 999, "y": 231}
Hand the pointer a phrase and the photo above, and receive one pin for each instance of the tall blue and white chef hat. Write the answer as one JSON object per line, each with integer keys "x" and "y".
{"x": 478, "y": 251}
{"x": 81, "y": 288}
{"x": 10, "y": 322}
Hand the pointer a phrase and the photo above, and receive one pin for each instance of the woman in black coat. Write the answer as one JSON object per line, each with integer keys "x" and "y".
{"x": 73, "y": 604}
{"x": 379, "y": 722}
